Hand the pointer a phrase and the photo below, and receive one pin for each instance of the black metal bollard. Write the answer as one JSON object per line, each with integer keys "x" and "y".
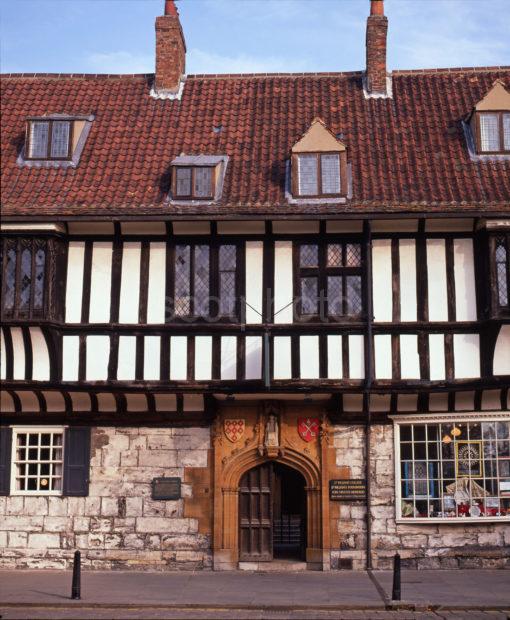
{"x": 396, "y": 593}
{"x": 76, "y": 587}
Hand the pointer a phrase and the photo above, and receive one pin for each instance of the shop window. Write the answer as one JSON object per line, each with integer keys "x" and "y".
{"x": 453, "y": 470}
{"x": 27, "y": 267}
{"x": 206, "y": 281}
{"x": 329, "y": 280}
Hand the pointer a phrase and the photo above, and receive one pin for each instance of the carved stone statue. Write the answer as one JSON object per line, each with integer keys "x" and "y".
{"x": 271, "y": 435}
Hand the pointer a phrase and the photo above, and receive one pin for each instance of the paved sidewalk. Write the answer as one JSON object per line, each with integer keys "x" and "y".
{"x": 306, "y": 595}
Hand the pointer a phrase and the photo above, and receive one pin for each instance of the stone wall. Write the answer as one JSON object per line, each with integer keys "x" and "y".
{"x": 421, "y": 545}
{"x": 118, "y": 525}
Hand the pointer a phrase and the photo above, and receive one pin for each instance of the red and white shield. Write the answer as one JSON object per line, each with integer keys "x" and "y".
{"x": 308, "y": 428}
{"x": 234, "y": 429}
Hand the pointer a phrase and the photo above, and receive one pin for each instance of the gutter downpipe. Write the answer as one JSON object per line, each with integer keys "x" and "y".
{"x": 367, "y": 230}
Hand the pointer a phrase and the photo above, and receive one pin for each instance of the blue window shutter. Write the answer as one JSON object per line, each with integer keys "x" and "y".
{"x": 76, "y": 461}
{"x": 5, "y": 459}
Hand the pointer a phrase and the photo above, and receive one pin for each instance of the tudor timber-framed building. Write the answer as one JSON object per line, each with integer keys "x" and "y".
{"x": 277, "y": 290}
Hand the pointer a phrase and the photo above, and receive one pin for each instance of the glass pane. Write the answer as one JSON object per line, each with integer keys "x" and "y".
{"x": 489, "y": 132}
{"x": 307, "y": 175}
{"x": 40, "y": 260}
{"x": 506, "y": 131}
{"x": 182, "y": 304}
{"x": 60, "y": 138}
{"x": 10, "y": 279}
{"x": 334, "y": 255}
{"x": 353, "y": 293}
{"x": 39, "y": 139}
{"x": 335, "y": 295}
{"x": 309, "y": 255}
{"x": 203, "y": 179}
{"x": 353, "y": 255}
{"x": 227, "y": 257}
{"x": 501, "y": 272}
{"x": 330, "y": 170}
{"x": 25, "y": 280}
{"x": 201, "y": 292}
{"x": 183, "y": 182}
{"x": 309, "y": 296}
{"x": 227, "y": 293}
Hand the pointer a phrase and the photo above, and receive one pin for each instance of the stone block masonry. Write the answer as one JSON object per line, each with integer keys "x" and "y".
{"x": 118, "y": 526}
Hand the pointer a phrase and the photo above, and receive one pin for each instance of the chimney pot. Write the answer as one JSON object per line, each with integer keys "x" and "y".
{"x": 170, "y": 8}
{"x": 377, "y": 7}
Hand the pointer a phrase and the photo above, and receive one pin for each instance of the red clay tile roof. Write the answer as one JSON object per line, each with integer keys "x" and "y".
{"x": 407, "y": 153}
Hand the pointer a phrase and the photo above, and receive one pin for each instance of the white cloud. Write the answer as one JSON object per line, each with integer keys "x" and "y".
{"x": 119, "y": 62}
{"x": 200, "y": 61}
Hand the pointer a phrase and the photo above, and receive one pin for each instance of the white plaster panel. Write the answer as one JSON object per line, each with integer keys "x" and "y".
{"x": 241, "y": 228}
{"x": 464, "y": 401}
{"x": 383, "y": 358}
{"x": 353, "y": 402}
{"x": 438, "y": 401}
{"x": 101, "y": 282}
{"x": 127, "y": 358}
{"x": 203, "y": 358}
{"x": 6, "y": 402}
{"x": 90, "y": 228}
{"x": 254, "y": 266}
{"x": 408, "y": 297}
{"x": 70, "y": 357}
{"x": 380, "y": 402}
{"x": 54, "y": 401}
{"x": 344, "y": 226}
{"x": 253, "y": 353}
{"x": 178, "y": 358}
{"x": 165, "y": 402}
{"x": 81, "y": 401}
{"x": 381, "y": 279}
{"x": 409, "y": 358}
{"x": 295, "y": 227}
{"x": 228, "y": 370}
{"x": 130, "y": 282}
{"x": 143, "y": 228}
{"x": 491, "y": 400}
{"x": 466, "y": 353}
{"x": 151, "y": 358}
{"x": 436, "y": 278}
{"x": 407, "y": 402}
{"x": 464, "y": 270}
{"x": 98, "y": 356}
{"x": 3, "y": 366}
{"x": 283, "y": 292}
{"x": 29, "y": 401}
{"x": 501, "y": 364}
{"x": 191, "y": 228}
{"x": 335, "y": 368}
{"x": 282, "y": 357}
{"x": 193, "y": 402}
{"x": 18, "y": 347}
{"x": 106, "y": 402}
{"x": 74, "y": 286}
{"x": 40, "y": 355}
{"x": 157, "y": 283}
{"x": 136, "y": 402}
{"x": 309, "y": 357}
{"x": 356, "y": 357}
{"x": 436, "y": 357}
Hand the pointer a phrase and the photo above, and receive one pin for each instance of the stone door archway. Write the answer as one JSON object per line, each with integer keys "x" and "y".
{"x": 233, "y": 459}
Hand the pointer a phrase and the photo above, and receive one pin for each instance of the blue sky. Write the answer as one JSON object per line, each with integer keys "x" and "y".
{"x": 117, "y": 36}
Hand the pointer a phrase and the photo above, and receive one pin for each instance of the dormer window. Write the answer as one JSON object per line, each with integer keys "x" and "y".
{"x": 319, "y": 164}
{"x": 490, "y": 122}
{"x": 198, "y": 177}
{"x": 55, "y": 140}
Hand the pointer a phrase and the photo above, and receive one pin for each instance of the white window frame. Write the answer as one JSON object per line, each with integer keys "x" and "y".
{"x": 437, "y": 419}
{"x": 41, "y": 430}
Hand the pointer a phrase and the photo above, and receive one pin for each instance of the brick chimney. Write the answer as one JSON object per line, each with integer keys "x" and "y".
{"x": 377, "y": 29}
{"x": 170, "y": 51}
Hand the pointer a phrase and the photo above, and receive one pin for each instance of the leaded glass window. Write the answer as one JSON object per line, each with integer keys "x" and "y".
{"x": 39, "y": 133}
{"x": 318, "y": 174}
{"x": 330, "y": 280}
{"x": 49, "y": 139}
{"x": 454, "y": 469}
{"x": 194, "y": 182}
{"x": 25, "y": 277}
{"x": 506, "y": 132}
{"x": 60, "y": 139}
{"x": 203, "y": 183}
{"x": 227, "y": 273}
{"x": 502, "y": 270}
{"x": 494, "y": 132}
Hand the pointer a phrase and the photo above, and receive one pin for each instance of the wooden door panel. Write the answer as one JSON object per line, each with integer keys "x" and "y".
{"x": 255, "y": 514}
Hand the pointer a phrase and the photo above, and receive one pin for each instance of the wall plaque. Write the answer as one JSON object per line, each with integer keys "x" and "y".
{"x": 351, "y": 490}
{"x": 166, "y": 488}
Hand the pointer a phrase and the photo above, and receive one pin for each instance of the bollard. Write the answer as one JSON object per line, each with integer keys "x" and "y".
{"x": 76, "y": 587}
{"x": 395, "y": 593}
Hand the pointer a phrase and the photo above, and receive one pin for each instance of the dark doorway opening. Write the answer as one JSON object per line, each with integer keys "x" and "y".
{"x": 272, "y": 513}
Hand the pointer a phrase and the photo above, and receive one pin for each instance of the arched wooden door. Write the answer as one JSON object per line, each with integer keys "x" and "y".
{"x": 272, "y": 513}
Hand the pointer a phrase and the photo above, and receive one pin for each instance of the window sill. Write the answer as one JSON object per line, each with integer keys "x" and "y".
{"x": 457, "y": 520}
{"x": 37, "y": 493}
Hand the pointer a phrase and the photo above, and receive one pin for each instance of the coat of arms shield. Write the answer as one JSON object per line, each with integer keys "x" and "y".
{"x": 308, "y": 428}
{"x": 234, "y": 429}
